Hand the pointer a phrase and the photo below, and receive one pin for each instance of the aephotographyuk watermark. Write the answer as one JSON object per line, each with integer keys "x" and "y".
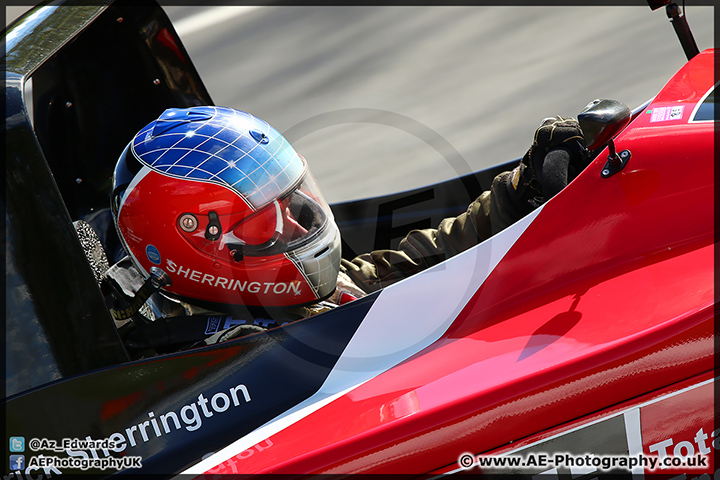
{"x": 107, "y": 463}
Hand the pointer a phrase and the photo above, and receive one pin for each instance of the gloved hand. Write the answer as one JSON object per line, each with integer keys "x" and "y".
{"x": 557, "y": 155}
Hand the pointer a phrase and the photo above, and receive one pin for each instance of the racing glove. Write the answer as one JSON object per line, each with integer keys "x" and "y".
{"x": 557, "y": 155}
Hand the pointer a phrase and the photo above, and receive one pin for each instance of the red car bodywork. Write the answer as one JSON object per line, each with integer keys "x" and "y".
{"x": 606, "y": 296}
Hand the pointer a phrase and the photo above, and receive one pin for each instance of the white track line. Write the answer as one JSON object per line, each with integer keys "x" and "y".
{"x": 208, "y": 18}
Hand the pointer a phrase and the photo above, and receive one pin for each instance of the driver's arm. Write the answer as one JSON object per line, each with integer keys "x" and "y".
{"x": 511, "y": 196}
{"x": 421, "y": 249}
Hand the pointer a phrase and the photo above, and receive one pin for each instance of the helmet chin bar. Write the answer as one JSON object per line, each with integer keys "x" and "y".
{"x": 319, "y": 261}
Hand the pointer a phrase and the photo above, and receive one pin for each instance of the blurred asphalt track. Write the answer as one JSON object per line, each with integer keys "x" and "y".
{"x": 381, "y": 99}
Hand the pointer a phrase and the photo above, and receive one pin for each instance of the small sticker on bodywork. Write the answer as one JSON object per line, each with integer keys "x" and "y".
{"x": 663, "y": 114}
{"x": 213, "y": 325}
{"x": 153, "y": 254}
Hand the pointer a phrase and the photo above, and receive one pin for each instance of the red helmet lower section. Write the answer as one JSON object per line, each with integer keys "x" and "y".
{"x": 201, "y": 268}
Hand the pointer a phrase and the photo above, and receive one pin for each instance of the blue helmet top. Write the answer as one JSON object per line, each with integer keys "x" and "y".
{"x": 224, "y": 146}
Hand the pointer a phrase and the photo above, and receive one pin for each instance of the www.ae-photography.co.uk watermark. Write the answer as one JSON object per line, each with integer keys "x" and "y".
{"x": 467, "y": 461}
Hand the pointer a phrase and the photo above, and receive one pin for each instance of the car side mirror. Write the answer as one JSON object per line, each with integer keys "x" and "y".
{"x": 602, "y": 120}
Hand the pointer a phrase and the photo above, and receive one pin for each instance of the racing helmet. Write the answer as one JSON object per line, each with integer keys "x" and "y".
{"x": 221, "y": 202}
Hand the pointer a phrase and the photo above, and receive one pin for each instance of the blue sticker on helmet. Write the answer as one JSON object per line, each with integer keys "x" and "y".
{"x": 153, "y": 254}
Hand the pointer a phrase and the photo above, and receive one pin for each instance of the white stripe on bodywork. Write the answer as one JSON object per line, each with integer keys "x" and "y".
{"x": 633, "y": 433}
{"x": 405, "y": 318}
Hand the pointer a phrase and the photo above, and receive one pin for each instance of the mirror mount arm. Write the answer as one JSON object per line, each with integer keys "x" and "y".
{"x": 679, "y": 23}
{"x": 615, "y": 162}
{"x": 682, "y": 30}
